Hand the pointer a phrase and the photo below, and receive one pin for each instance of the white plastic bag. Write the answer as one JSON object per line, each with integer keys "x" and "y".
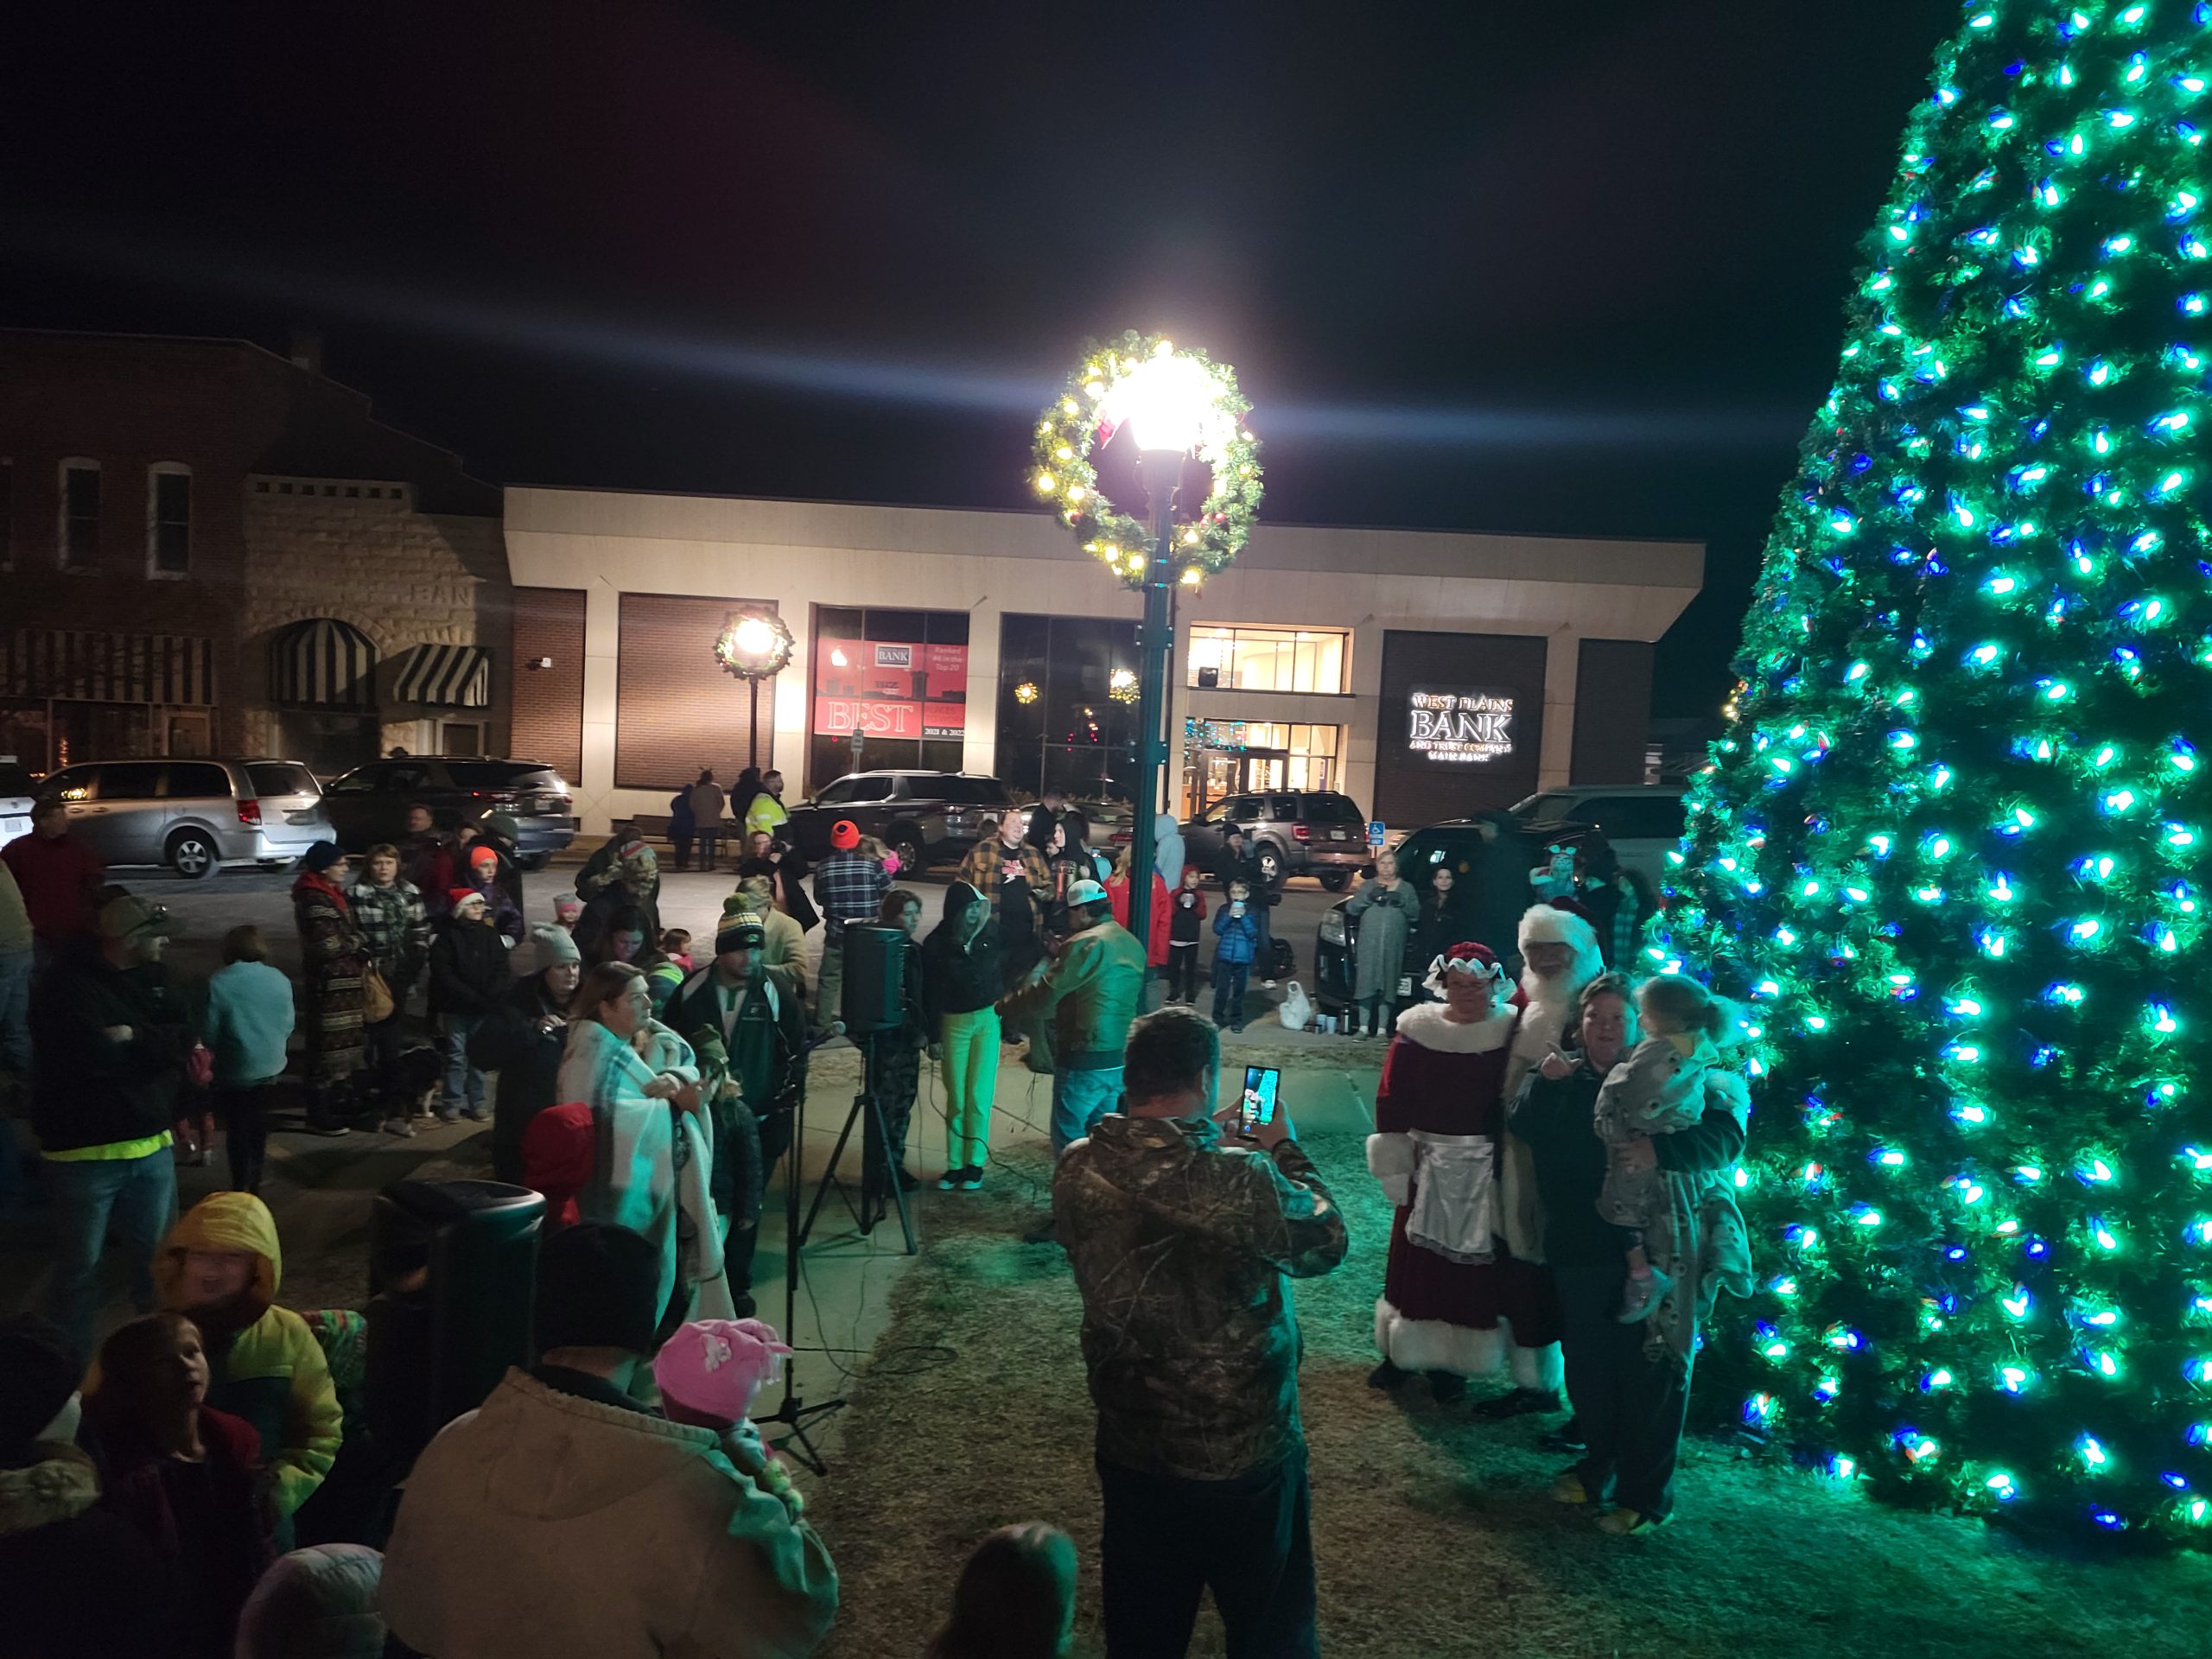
{"x": 1297, "y": 1011}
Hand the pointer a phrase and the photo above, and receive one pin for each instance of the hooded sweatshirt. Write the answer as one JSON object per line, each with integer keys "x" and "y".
{"x": 582, "y": 1529}
{"x": 958, "y": 978}
{"x": 263, "y": 1364}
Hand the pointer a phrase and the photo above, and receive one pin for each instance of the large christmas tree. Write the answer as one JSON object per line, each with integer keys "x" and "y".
{"x": 1950, "y": 853}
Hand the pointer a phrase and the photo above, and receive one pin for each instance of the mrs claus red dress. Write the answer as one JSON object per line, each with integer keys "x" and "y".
{"x": 1454, "y": 1297}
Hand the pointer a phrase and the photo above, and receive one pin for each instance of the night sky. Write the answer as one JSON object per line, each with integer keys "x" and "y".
{"x": 1567, "y": 268}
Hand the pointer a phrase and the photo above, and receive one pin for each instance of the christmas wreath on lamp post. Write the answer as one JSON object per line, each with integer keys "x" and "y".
{"x": 1076, "y": 434}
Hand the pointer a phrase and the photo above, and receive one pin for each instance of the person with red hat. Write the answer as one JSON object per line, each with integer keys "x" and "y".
{"x": 848, "y": 887}
{"x": 1459, "y": 1300}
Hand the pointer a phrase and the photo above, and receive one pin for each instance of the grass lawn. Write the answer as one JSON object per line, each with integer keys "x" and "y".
{"x": 1434, "y": 1533}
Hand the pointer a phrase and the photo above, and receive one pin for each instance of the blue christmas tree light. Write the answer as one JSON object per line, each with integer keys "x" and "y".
{"x": 1949, "y": 852}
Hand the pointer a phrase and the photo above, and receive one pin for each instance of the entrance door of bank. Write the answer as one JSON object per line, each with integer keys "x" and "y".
{"x": 1212, "y": 775}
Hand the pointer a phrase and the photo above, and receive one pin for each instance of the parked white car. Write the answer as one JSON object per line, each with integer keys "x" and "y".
{"x": 17, "y": 790}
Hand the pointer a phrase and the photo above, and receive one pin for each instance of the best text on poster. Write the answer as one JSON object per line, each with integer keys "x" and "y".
{"x": 1461, "y": 726}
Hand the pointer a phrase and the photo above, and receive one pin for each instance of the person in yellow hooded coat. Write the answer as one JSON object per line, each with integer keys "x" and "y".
{"x": 219, "y": 1266}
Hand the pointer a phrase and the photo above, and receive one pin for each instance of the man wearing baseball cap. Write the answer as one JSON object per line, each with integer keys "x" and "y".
{"x": 849, "y": 886}
{"x": 111, "y": 1034}
{"x": 1093, "y": 991}
{"x": 745, "y": 1023}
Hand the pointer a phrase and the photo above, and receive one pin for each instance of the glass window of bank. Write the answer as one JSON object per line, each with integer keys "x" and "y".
{"x": 1068, "y": 706}
{"x": 900, "y": 677}
{"x": 1269, "y": 659}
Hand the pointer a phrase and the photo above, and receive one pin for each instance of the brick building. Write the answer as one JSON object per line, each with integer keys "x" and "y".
{"x": 208, "y": 549}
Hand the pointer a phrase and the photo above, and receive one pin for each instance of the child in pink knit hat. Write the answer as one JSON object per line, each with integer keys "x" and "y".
{"x": 710, "y": 1373}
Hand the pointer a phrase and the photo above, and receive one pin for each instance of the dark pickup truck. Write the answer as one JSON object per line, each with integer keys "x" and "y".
{"x": 925, "y": 817}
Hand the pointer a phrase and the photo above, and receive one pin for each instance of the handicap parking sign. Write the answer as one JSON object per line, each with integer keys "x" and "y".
{"x": 1375, "y": 833}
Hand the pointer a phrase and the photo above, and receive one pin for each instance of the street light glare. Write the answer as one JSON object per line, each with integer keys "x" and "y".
{"x": 755, "y": 638}
{"x": 1165, "y": 401}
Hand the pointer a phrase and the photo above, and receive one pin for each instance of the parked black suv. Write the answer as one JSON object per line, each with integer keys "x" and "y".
{"x": 369, "y": 803}
{"x": 924, "y": 817}
{"x": 1313, "y": 832}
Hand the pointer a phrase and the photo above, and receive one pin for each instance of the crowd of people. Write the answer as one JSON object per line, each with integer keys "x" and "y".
{"x": 1552, "y": 1143}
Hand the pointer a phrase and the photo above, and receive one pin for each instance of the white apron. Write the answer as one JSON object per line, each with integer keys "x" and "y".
{"x": 1454, "y": 1211}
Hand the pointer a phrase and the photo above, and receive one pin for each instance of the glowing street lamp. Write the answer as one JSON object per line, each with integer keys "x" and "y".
{"x": 1171, "y": 405}
{"x": 753, "y": 645}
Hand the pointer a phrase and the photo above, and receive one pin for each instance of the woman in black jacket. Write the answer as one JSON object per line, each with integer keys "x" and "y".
{"x": 961, "y": 983}
{"x": 468, "y": 975}
{"x": 522, "y": 1039}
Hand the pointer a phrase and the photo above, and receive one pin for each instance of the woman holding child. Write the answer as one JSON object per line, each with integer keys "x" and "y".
{"x": 1628, "y": 1354}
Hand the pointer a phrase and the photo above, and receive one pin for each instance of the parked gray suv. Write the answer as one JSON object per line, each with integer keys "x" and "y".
{"x": 1314, "y": 832}
{"x": 196, "y": 817}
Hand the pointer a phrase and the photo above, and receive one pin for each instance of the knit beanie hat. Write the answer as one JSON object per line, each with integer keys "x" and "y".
{"x": 551, "y": 946}
{"x": 501, "y": 824}
{"x": 598, "y": 1287}
{"x": 315, "y": 1604}
{"x": 320, "y": 857}
{"x": 714, "y": 1368}
{"x": 740, "y": 932}
{"x": 37, "y": 1376}
{"x": 459, "y": 898}
{"x": 567, "y": 908}
{"x": 483, "y": 858}
{"x": 844, "y": 835}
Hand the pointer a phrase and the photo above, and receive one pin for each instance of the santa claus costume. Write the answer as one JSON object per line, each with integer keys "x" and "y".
{"x": 1560, "y": 956}
{"x": 1458, "y": 1300}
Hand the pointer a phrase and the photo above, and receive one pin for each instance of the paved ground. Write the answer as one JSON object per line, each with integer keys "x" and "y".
{"x": 321, "y": 1190}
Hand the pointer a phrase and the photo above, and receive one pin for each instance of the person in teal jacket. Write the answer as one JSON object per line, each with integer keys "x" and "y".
{"x": 250, "y": 1018}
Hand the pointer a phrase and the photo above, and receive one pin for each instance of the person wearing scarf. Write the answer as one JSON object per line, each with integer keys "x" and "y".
{"x": 333, "y": 959}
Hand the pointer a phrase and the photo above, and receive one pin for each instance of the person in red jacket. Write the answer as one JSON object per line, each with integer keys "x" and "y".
{"x": 1117, "y": 892}
{"x": 60, "y": 876}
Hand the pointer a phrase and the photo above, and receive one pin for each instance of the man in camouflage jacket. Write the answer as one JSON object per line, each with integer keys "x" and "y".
{"x": 1182, "y": 1243}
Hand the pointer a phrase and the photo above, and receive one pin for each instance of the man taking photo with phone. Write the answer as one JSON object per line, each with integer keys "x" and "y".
{"x": 1181, "y": 1241}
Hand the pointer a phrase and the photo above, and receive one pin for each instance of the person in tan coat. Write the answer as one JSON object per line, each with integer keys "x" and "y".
{"x": 565, "y": 1520}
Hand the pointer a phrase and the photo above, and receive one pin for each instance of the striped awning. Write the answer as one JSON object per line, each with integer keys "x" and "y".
{"x": 452, "y": 677}
{"x": 321, "y": 663}
{"x": 106, "y": 667}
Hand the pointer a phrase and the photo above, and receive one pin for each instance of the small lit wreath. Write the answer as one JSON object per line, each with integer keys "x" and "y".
{"x": 1083, "y": 416}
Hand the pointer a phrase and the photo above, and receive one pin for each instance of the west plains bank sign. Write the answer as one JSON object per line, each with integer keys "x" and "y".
{"x": 1459, "y": 727}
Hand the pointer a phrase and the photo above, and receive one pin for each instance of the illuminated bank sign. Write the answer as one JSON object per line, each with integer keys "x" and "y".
{"x": 1459, "y": 727}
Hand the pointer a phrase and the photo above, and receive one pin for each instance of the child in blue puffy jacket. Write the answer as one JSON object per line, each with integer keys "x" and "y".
{"x": 1236, "y": 943}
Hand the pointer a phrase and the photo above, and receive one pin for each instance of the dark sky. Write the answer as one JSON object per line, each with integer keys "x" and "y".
{"x": 1572, "y": 267}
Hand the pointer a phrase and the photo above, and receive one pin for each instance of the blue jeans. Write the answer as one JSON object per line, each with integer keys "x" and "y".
{"x": 464, "y": 1083}
{"x": 1079, "y": 1100}
{"x": 138, "y": 1195}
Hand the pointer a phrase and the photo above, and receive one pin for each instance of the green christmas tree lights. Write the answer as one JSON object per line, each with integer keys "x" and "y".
{"x": 1950, "y": 852}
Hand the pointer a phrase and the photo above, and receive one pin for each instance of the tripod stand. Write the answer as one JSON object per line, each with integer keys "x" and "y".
{"x": 872, "y": 1206}
{"x": 794, "y": 1413}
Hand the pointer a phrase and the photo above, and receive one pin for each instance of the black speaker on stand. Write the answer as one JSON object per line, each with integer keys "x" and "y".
{"x": 875, "y": 1002}
{"x": 453, "y": 1280}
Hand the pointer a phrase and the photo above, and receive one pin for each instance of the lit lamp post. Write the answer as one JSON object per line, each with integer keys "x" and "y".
{"x": 1174, "y": 406}
{"x": 1166, "y": 409}
{"x": 753, "y": 645}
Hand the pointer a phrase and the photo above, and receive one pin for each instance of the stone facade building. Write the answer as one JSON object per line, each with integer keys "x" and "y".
{"x": 208, "y": 549}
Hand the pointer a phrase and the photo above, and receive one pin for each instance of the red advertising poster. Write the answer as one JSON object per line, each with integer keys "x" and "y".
{"x": 889, "y": 689}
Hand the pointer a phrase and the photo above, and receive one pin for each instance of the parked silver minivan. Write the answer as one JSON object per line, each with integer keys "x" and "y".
{"x": 196, "y": 817}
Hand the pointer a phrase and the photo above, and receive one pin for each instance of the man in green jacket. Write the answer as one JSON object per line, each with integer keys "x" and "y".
{"x": 1094, "y": 992}
{"x": 1182, "y": 1243}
